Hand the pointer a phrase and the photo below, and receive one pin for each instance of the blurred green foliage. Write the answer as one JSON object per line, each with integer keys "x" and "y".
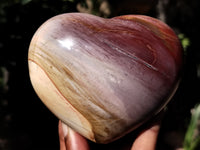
{"x": 185, "y": 41}
{"x": 192, "y": 137}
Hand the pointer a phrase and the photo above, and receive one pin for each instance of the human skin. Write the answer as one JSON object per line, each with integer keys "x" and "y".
{"x": 71, "y": 140}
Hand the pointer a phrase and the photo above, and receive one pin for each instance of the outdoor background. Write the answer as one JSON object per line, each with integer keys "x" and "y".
{"x": 26, "y": 124}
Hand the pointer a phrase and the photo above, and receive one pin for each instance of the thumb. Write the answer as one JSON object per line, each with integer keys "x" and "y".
{"x": 147, "y": 139}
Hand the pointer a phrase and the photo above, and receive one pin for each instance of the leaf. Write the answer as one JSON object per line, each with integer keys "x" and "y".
{"x": 192, "y": 137}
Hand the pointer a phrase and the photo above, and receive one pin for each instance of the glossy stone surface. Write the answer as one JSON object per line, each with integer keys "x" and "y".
{"x": 104, "y": 77}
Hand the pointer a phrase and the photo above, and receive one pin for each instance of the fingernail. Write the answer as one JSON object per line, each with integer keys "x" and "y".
{"x": 65, "y": 129}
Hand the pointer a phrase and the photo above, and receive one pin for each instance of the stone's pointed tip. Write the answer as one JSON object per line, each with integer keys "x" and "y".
{"x": 56, "y": 102}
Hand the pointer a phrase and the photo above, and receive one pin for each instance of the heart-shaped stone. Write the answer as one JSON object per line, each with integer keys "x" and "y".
{"x": 104, "y": 77}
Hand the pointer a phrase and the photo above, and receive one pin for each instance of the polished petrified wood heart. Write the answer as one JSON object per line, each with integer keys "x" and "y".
{"x": 104, "y": 77}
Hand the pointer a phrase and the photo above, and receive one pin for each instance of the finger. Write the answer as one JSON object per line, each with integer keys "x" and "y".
{"x": 147, "y": 139}
{"x": 75, "y": 141}
{"x": 62, "y": 135}
{"x": 70, "y": 140}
